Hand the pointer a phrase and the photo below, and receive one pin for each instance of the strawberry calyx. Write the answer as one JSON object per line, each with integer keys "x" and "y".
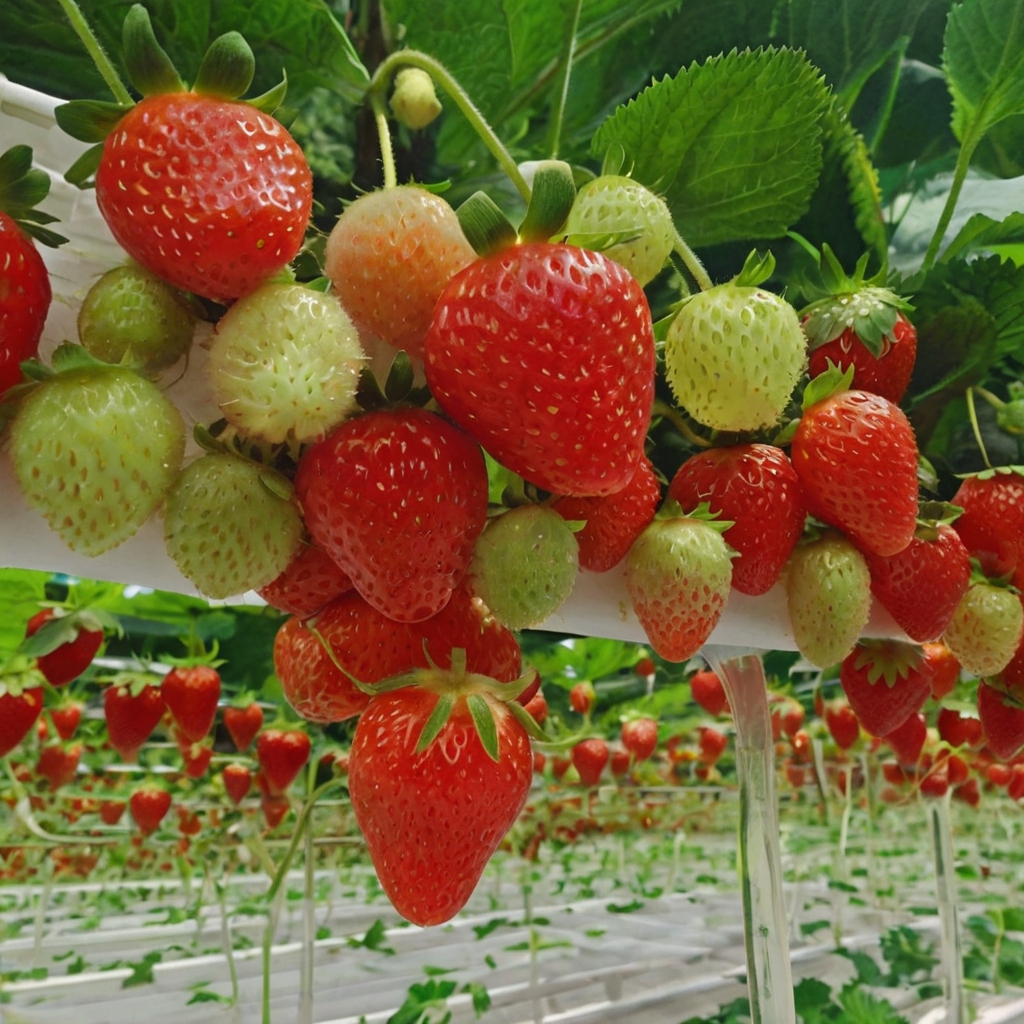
{"x": 225, "y": 73}
{"x": 933, "y": 514}
{"x": 554, "y": 192}
{"x": 890, "y": 660}
{"x": 135, "y": 682}
{"x": 833, "y": 381}
{"x": 277, "y": 462}
{"x": 399, "y": 387}
{"x": 756, "y": 270}
{"x": 852, "y": 301}
{"x": 19, "y": 676}
{"x": 1009, "y": 413}
{"x": 993, "y": 471}
{"x": 671, "y": 509}
{"x": 22, "y": 188}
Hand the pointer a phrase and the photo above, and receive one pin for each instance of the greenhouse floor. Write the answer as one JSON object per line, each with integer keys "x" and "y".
{"x": 613, "y": 930}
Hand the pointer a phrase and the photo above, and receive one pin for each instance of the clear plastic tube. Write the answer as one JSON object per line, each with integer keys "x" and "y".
{"x": 765, "y": 923}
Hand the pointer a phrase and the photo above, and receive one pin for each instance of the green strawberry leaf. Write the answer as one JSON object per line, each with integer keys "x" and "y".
{"x": 679, "y": 137}
{"x": 228, "y": 67}
{"x": 982, "y": 232}
{"x": 983, "y": 56}
{"x": 436, "y": 722}
{"x": 850, "y": 40}
{"x": 483, "y": 720}
{"x": 831, "y": 382}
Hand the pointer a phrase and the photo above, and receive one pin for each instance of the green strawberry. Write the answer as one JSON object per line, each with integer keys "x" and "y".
{"x": 524, "y": 565}
{"x": 828, "y": 592}
{"x": 230, "y": 524}
{"x": 985, "y": 629}
{"x": 734, "y": 353}
{"x": 130, "y": 316}
{"x": 611, "y": 205}
{"x": 95, "y": 448}
{"x": 284, "y": 363}
{"x": 678, "y": 574}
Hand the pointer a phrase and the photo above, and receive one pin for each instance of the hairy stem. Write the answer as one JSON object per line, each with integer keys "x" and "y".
{"x": 99, "y": 57}
{"x": 562, "y": 85}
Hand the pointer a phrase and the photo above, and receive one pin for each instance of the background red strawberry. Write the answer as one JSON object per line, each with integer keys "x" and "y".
{"x": 133, "y": 708}
{"x": 19, "y": 709}
{"x": 992, "y": 523}
{"x": 149, "y": 805}
{"x": 73, "y": 640}
{"x": 640, "y": 737}
{"x": 191, "y": 693}
{"x": 282, "y": 753}
{"x": 311, "y": 579}
{"x": 242, "y": 724}
{"x": 589, "y": 758}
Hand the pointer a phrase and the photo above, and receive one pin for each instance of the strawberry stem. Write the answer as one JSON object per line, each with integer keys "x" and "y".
{"x": 99, "y": 57}
{"x": 562, "y": 84}
{"x": 662, "y": 408}
{"x": 443, "y": 77}
{"x": 973, "y": 415}
{"x": 692, "y": 263}
{"x": 387, "y": 153}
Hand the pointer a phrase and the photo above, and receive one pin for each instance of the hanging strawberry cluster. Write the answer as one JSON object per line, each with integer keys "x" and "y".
{"x": 414, "y": 526}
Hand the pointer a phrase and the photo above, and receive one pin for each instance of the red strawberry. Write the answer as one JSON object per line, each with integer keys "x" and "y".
{"x": 614, "y": 521}
{"x": 432, "y": 817}
{"x": 58, "y": 765}
{"x": 936, "y": 782}
{"x": 311, "y": 579}
{"x": 208, "y": 193}
{"x": 882, "y": 361}
{"x": 196, "y": 758}
{"x": 69, "y": 643}
{"x": 274, "y": 806}
{"x": 856, "y": 457}
{"x": 19, "y": 709}
{"x": 148, "y": 806}
{"x": 712, "y": 745}
{"x": 282, "y": 753}
{"x": 1002, "y": 718}
{"x": 640, "y": 737}
{"x": 111, "y": 811}
{"x": 589, "y": 758}
{"x": 582, "y": 697}
{"x": 992, "y": 523}
{"x": 545, "y": 354}
{"x": 958, "y": 770}
{"x": 921, "y": 585}
{"x": 756, "y": 487}
{"x": 958, "y": 730}
{"x": 371, "y": 648}
{"x": 969, "y": 792}
{"x": 620, "y": 763}
{"x": 390, "y": 256}
{"x": 843, "y": 724}
{"x": 677, "y": 577}
{"x": 907, "y": 740}
{"x": 537, "y": 708}
{"x": 397, "y": 499}
{"x": 243, "y": 723}
{"x": 885, "y": 682}
{"x": 943, "y": 668}
{"x": 133, "y": 708}
{"x": 792, "y": 719}
{"x": 66, "y": 718}
{"x": 191, "y": 694}
{"x": 708, "y": 692}
{"x": 237, "y": 781}
{"x": 25, "y": 292}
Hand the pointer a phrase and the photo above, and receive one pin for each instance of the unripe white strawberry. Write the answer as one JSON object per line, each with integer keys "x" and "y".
{"x": 985, "y": 629}
{"x": 612, "y": 204}
{"x": 678, "y": 574}
{"x": 828, "y": 593}
{"x": 414, "y": 101}
{"x": 733, "y": 356}
{"x": 284, "y": 364}
{"x": 95, "y": 448}
{"x": 525, "y": 565}
{"x": 231, "y": 525}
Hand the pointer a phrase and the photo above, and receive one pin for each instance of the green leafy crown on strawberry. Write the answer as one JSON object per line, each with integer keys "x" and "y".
{"x": 226, "y": 72}
{"x": 844, "y": 301}
{"x": 22, "y": 188}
